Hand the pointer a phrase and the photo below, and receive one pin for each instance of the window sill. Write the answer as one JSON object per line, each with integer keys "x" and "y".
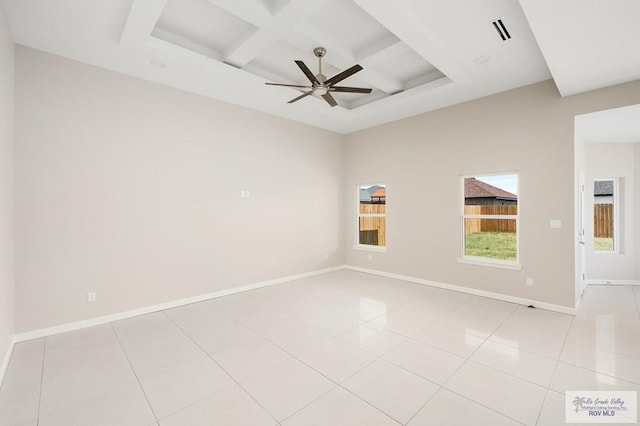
{"x": 376, "y": 249}
{"x": 501, "y": 264}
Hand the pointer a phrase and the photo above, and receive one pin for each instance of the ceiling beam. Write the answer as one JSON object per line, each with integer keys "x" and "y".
{"x": 142, "y": 19}
{"x": 270, "y": 30}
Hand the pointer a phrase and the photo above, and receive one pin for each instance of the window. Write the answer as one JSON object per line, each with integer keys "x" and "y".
{"x": 490, "y": 220}
{"x": 372, "y": 217}
{"x": 605, "y": 211}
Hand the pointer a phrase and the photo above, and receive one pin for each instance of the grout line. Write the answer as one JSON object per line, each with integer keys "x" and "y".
{"x": 134, "y": 371}
{"x": 555, "y": 369}
{"x": 44, "y": 353}
{"x": 296, "y": 357}
{"x": 468, "y": 360}
{"x": 483, "y": 406}
{"x": 219, "y": 366}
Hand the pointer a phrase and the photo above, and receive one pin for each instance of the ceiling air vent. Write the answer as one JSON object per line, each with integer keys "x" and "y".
{"x": 501, "y": 29}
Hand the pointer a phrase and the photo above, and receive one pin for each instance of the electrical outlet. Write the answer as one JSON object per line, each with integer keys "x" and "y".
{"x": 370, "y": 257}
{"x": 91, "y": 296}
{"x": 326, "y": 256}
{"x": 530, "y": 282}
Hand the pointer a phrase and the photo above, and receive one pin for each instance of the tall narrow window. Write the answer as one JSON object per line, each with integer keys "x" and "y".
{"x": 490, "y": 219}
{"x": 604, "y": 214}
{"x": 372, "y": 216}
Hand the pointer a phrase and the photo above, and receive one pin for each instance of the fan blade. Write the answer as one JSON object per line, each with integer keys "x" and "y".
{"x": 327, "y": 97}
{"x": 344, "y": 74}
{"x": 350, "y": 89}
{"x": 307, "y": 72}
{"x": 288, "y": 85}
{"x": 300, "y": 97}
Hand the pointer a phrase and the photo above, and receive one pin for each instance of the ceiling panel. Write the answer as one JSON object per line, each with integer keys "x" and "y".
{"x": 199, "y": 22}
{"x": 346, "y": 23}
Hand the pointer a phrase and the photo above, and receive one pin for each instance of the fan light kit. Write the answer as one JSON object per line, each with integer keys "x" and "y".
{"x": 322, "y": 86}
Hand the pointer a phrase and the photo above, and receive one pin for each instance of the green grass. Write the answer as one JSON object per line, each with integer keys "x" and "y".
{"x": 603, "y": 244}
{"x": 496, "y": 245}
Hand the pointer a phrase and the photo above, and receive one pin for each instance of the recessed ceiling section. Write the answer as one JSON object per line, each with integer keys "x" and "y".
{"x": 215, "y": 28}
{"x": 344, "y": 23}
{"x": 200, "y": 26}
{"x": 406, "y": 66}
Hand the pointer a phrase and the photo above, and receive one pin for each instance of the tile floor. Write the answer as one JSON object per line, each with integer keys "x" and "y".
{"x": 343, "y": 348}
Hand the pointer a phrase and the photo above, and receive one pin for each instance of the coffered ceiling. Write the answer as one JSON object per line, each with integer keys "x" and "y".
{"x": 417, "y": 55}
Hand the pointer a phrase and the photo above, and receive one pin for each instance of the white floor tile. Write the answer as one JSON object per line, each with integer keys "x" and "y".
{"x": 178, "y": 388}
{"x": 449, "y": 409}
{"x": 530, "y": 340}
{"x": 333, "y": 322}
{"x": 366, "y": 309}
{"x": 456, "y": 341}
{"x": 296, "y": 336}
{"x": 534, "y": 330}
{"x": 336, "y": 359}
{"x": 26, "y": 365}
{"x": 80, "y": 350}
{"x": 126, "y": 406}
{"x": 339, "y": 408}
{"x": 604, "y": 362}
{"x": 571, "y": 378}
{"x": 250, "y": 358}
{"x": 479, "y": 316}
{"x": 19, "y": 404}
{"x": 623, "y": 343}
{"x": 552, "y": 324}
{"x": 64, "y": 391}
{"x": 553, "y": 410}
{"x": 286, "y": 388}
{"x": 154, "y": 344}
{"x": 508, "y": 395}
{"x": 375, "y": 340}
{"x": 406, "y": 322}
{"x": 426, "y": 361}
{"x": 511, "y": 360}
{"x": 229, "y": 407}
{"x": 392, "y": 390}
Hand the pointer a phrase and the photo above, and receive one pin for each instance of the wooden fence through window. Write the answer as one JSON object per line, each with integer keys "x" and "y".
{"x": 490, "y": 225}
{"x": 373, "y": 225}
{"x": 603, "y": 220}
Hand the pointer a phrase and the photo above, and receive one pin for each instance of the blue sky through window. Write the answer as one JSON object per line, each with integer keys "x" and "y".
{"x": 508, "y": 182}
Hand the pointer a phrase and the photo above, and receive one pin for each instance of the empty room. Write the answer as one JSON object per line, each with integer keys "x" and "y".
{"x": 319, "y": 212}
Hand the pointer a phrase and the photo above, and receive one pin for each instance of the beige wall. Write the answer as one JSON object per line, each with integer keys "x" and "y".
{"x": 7, "y": 63}
{"x": 612, "y": 160}
{"x": 421, "y": 159}
{"x": 132, "y": 190}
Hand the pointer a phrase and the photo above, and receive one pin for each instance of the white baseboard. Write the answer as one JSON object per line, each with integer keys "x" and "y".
{"x": 63, "y": 328}
{"x": 468, "y": 290}
{"x": 6, "y": 359}
{"x": 613, "y": 282}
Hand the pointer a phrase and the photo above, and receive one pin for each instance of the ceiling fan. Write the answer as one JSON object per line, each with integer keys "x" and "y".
{"x": 322, "y": 85}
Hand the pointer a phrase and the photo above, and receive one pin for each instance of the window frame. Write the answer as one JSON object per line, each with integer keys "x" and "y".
{"x": 369, "y": 247}
{"x": 488, "y": 261}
